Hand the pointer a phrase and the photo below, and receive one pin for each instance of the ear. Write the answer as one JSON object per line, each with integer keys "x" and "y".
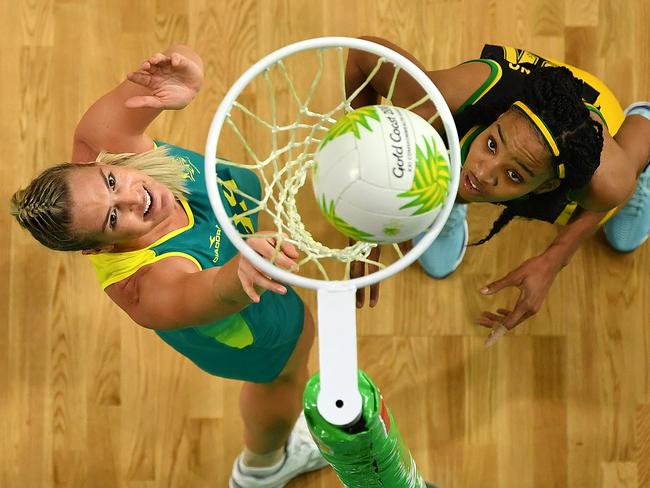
{"x": 548, "y": 185}
{"x": 98, "y": 250}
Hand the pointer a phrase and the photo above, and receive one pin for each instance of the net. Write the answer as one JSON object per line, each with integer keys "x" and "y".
{"x": 273, "y": 128}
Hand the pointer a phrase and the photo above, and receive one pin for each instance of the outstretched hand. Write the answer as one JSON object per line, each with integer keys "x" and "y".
{"x": 533, "y": 278}
{"x": 174, "y": 80}
{"x": 253, "y": 281}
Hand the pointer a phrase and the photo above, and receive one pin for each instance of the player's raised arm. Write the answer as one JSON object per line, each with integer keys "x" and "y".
{"x": 118, "y": 120}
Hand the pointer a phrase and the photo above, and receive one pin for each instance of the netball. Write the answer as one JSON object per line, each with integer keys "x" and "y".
{"x": 381, "y": 174}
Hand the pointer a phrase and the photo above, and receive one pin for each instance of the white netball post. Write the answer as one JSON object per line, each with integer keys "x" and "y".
{"x": 339, "y": 401}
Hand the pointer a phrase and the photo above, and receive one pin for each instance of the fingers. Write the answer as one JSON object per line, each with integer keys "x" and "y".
{"x": 509, "y": 280}
{"x": 360, "y": 297}
{"x": 251, "y": 279}
{"x": 374, "y": 294}
{"x": 518, "y": 315}
{"x": 140, "y": 77}
{"x": 357, "y": 269}
{"x": 490, "y": 320}
{"x": 177, "y": 60}
{"x": 498, "y": 332}
{"x": 284, "y": 257}
{"x": 289, "y": 250}
{"x": 155, "y": 61}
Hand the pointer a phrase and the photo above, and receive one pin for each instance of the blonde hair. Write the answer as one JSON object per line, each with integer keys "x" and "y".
{"x": 157, "y": 164}
{"x": 43, "y": 207}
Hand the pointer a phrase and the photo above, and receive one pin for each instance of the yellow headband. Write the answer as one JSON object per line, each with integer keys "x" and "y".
{"x": 546, "y": 134}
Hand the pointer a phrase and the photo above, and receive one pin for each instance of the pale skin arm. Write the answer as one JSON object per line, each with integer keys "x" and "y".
{"x": 170, "y": 293}
{"x": 118, "y": 120}
{"x": 173, "y": 293}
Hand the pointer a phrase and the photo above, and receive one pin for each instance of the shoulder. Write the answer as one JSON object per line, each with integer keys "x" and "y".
{"x": 156, "y": 278}
{"x": 460, "y": 83}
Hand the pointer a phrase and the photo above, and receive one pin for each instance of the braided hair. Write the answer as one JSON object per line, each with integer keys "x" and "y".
{"x": 43, "y": 208}
{"x": 554, "y": 94}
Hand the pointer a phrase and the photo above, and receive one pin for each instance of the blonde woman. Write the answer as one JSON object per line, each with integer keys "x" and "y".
{"x": 139, "y": 210}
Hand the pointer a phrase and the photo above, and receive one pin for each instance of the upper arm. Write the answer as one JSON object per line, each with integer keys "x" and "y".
{"x": 151, "y": 296}
{"x": 109, "y": 125}
{"x": 614, "y": 180}
{"x": 173, "y": 293}
{"x": 456, "y": 84}
{"x": 459, "y": 83}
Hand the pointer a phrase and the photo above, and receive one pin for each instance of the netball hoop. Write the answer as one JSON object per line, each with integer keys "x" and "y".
{"x": 279, "y": 146}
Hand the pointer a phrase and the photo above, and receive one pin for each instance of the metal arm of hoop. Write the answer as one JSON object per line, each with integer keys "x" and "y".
{"x": 339, "y": 400}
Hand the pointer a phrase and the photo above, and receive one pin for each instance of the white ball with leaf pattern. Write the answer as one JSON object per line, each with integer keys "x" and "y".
{"x": 381, "y": 174}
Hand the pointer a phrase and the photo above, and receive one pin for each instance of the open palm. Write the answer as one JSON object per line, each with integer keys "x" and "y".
{"x": 173, "y": 80}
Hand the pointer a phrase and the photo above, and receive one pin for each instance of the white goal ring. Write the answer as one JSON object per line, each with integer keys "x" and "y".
{"x": 250, "y": 74}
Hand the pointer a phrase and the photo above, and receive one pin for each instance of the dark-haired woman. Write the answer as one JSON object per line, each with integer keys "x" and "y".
{"x": 547, "y": 141}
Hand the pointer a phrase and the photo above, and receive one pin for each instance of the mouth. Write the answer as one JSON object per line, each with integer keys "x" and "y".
{"x": 471, "y": 185}
{"x": 147, "y": 202}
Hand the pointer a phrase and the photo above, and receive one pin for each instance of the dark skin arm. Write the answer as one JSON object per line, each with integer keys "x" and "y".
{"x": 456, "y": 84}
{"x": 612, "y": 184}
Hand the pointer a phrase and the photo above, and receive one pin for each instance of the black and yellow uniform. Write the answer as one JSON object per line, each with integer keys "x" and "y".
{"x": 510, "y": 68}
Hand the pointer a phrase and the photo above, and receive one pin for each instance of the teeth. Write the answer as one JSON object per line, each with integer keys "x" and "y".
{"x": 472, "y": 184}
{"x": 147, "y": 202}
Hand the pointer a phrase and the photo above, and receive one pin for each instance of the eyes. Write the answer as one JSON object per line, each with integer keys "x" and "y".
{"x": 112, "y": 217}
{"x": 512, "y": 175}
{"x": 492, "y": 145}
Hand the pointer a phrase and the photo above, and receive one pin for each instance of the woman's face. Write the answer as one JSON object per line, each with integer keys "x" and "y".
{"x": 117, "y": 204}
{"x": 506, "y": 161}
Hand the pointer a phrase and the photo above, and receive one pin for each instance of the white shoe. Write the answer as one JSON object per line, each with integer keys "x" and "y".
{"x": 302, "y": 456}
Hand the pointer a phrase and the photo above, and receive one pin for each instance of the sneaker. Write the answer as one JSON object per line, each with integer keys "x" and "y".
{"x": 302, "y": 456}
{"x": 446, "y": 252}
{"x": 630, "y": 226}
{"x": 638, "y": 108}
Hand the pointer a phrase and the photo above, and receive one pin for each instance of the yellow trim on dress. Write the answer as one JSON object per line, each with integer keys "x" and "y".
{"x": 112, "y": 267}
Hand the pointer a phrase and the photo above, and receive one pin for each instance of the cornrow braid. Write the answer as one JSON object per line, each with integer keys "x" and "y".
{"x": 554, "y": 94}
{"x": 43, "y": 208}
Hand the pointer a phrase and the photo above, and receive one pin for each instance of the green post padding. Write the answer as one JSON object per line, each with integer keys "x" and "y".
{"x": 368, "y": 454}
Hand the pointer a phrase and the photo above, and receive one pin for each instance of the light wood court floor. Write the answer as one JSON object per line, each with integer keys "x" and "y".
{"x": 88, "y": 399}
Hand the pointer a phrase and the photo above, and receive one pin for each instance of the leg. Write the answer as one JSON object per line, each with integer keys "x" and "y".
{"x": 446, "y": 253}
{"x": 277, "y": 447}
{"x": 630, "y": 227}
{"x": 270, "y": 410}
{"x": 634, "y": 138}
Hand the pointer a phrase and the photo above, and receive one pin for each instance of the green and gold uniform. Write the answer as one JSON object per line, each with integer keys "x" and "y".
{"x": 251, "y": 345}
{"x": 510, "y": 68}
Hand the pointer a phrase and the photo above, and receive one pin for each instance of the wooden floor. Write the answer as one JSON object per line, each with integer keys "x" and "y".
{"x": 88, "y": 399}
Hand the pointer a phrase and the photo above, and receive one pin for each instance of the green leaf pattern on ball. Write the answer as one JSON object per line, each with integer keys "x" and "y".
{"x": 340, "y": 224}
{"x": 431, "y": 179}
{"x": 351, "y": 122}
